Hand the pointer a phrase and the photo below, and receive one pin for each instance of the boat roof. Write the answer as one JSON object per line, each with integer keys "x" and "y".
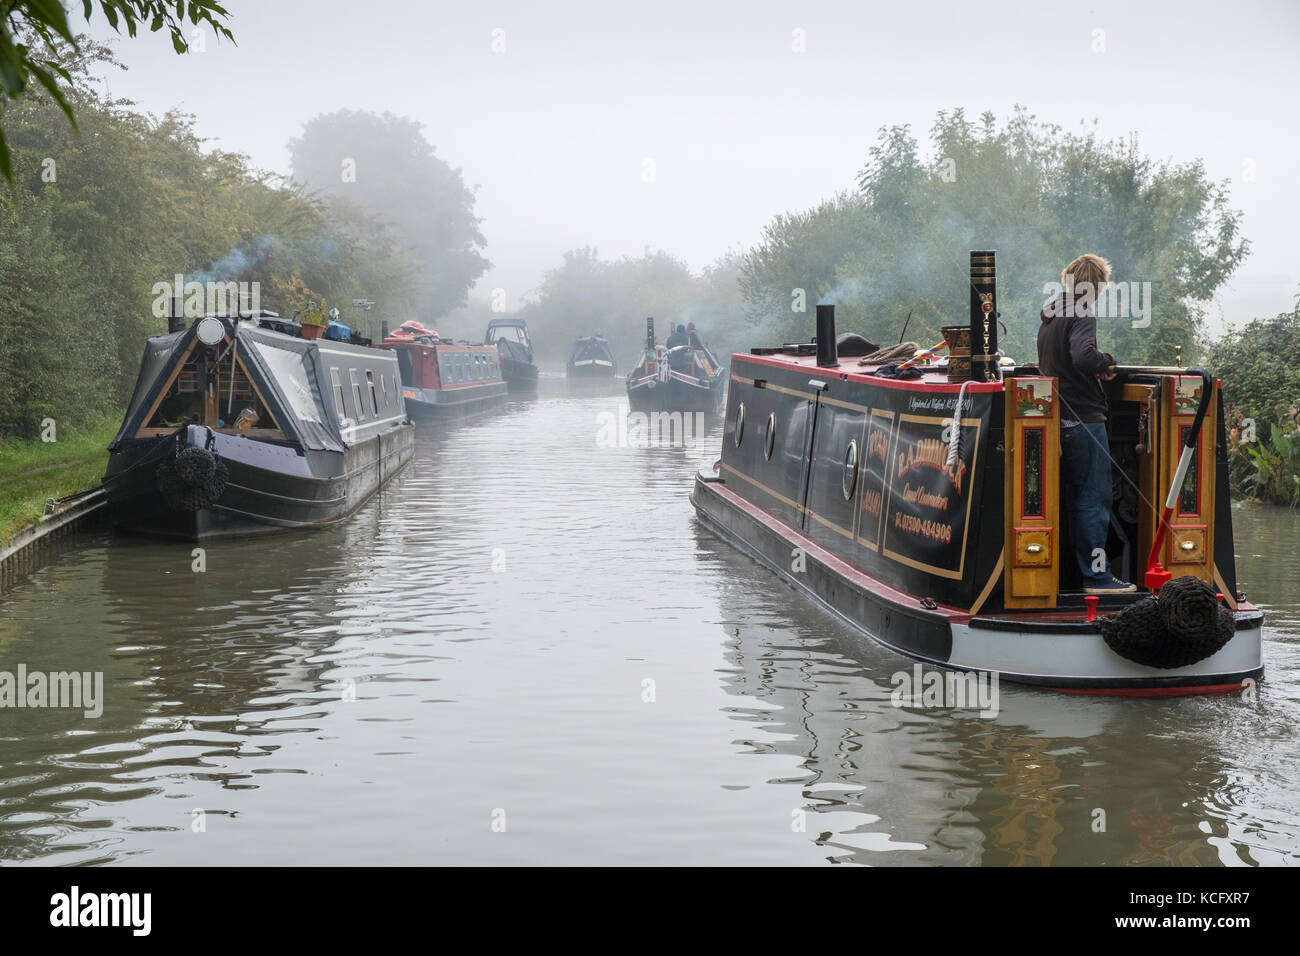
{"x": 850, "y": 367}
{"x": 518, "y": 323}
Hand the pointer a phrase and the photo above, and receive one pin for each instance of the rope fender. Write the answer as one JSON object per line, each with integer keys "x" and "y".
{"x": 1184, "y": 625}
{"x": 193, "y": 478}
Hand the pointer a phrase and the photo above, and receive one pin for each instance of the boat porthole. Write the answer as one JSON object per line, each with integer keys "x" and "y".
{"x": 740, "y": 423}
{"x": 771, "y": 436}
{"x": 850, "y": 479}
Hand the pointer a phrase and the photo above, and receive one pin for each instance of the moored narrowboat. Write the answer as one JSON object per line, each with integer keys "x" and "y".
{"x": 442, "y": 379}
{"x": 591, "y": 358}
{"x": 509, "y": 336}
{"x": 237, "y": 426}
{"x": 678, "y": 375}
{"x": 927, "y": 512}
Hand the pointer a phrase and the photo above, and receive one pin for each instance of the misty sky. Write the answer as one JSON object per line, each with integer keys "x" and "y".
{"x": 556, "y": 129}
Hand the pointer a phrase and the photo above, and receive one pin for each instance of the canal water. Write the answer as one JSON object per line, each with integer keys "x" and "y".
{"x": 526, "y": 650}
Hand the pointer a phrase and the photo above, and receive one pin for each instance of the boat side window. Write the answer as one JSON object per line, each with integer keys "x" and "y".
{"x": 356, "y": 393}
{"x": 339, "y": 408}
{"x": 740, "y": 424}
{"x": 374, "y": 399}
{"x": 770, "y": 440}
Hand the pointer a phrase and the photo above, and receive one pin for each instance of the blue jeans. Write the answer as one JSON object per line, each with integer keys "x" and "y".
{"x": 1085, "y": 468}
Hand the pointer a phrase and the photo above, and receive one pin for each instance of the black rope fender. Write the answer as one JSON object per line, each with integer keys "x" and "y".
{"x": 193, "y": 478}
{"x": 1184, "y": 625}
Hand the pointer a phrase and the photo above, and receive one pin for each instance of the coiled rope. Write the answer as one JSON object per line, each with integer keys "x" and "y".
{"x": 1184, "y": 625}
{"x": 192, "y": 479}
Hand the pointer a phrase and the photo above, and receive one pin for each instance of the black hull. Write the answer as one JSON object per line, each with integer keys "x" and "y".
{"x": 451, "y": 404}
{"x": 519, "y": 376}
{"x": 675, "y": 396}
{"x": 271, "y": 487}
{"x": 895, "y": 619}
{"x": 591, "y": 373}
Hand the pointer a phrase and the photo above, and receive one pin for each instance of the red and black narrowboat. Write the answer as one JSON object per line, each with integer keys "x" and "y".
{"x": 946, "y": 542}
{"x": 443, "y": 379}
{"x": 237, "y": 425}
{"x": 675, "y": 376}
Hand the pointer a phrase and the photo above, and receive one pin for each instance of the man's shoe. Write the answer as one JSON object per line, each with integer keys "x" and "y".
{"x": 1111, "y": 586}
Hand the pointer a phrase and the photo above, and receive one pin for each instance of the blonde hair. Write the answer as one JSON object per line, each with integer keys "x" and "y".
{"x": 1087, "y": 268}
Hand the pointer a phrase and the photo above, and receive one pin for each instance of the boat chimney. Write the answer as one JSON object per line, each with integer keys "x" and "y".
{"x": 650, "y": 334}
{"x": 176, "y": 315}
{"x": 827, "y": 355}
{"x": 983, "y": 316}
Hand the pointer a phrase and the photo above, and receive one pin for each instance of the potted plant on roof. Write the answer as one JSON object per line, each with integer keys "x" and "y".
{"x": 312, "y": 320}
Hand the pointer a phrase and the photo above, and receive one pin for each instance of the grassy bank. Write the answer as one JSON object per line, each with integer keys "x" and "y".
{"x": 33, "y": 470}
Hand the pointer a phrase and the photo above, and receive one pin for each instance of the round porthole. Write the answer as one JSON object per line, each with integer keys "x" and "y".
{"x": 770, "y": 441}
{"x": 849, "y": 481}
{"x": 740, "y": 423}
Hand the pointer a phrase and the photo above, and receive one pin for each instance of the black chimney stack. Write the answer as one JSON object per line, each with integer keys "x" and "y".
{"x": 983, "y": 316}
{"x": 176, "y": 315}
{"x": 827, "y": 357}
{"x": 650, "y": 334}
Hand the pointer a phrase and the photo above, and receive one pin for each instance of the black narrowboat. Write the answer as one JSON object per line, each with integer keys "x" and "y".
{"x": 510, "y": 338}
{"x": 237, "y": 426}
{"x": 675, "y": 376}
{"x": 442, "y": 379}
{"x": 927, "y": 512}
{"x": 591, "y": 358}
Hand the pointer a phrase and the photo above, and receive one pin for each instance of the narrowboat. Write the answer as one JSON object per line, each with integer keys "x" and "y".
{"x": 515, "y": 349}
{"x": 926, "y": 511}
{"x": 591, "y": 358}
{"x": 442, "y": 379}
{"x": 236, "y": 426}
{"x": 675, "y": 376}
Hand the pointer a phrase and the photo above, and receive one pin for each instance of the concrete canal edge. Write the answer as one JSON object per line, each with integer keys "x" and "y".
{"x": 37, "y": 543}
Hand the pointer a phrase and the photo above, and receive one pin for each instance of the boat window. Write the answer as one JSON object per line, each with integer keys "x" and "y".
{"x": 849, "y": 480}
{"x": 356, "y": 393}
{"x": 374, "y": 399}
{"x": 740, "y": 424}
{"x": 770, "y": 440}
{"x": 339, "y": 409}
{"x": 239, "y": 406}
{"x": 182, "y": 400}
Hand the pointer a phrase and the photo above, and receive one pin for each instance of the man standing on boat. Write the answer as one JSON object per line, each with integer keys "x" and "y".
{"x": 1067, "y": 351}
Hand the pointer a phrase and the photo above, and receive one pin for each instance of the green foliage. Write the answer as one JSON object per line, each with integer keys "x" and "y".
{"x": 384, "y": 163}
{"x": 1259, "y": 366}
{"x": 32, "y": 32}
{"x": 94, "y": 219}
{"x": 1037, "y": 195}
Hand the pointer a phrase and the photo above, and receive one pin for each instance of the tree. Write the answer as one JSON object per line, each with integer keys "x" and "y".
{"x": 385, "y": 163}
{"x": 31, "y": 31}
{"x": 1037, "y": 195}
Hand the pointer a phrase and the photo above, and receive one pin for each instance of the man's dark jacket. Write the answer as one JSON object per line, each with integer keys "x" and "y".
{"x": 1067, "y": 350}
